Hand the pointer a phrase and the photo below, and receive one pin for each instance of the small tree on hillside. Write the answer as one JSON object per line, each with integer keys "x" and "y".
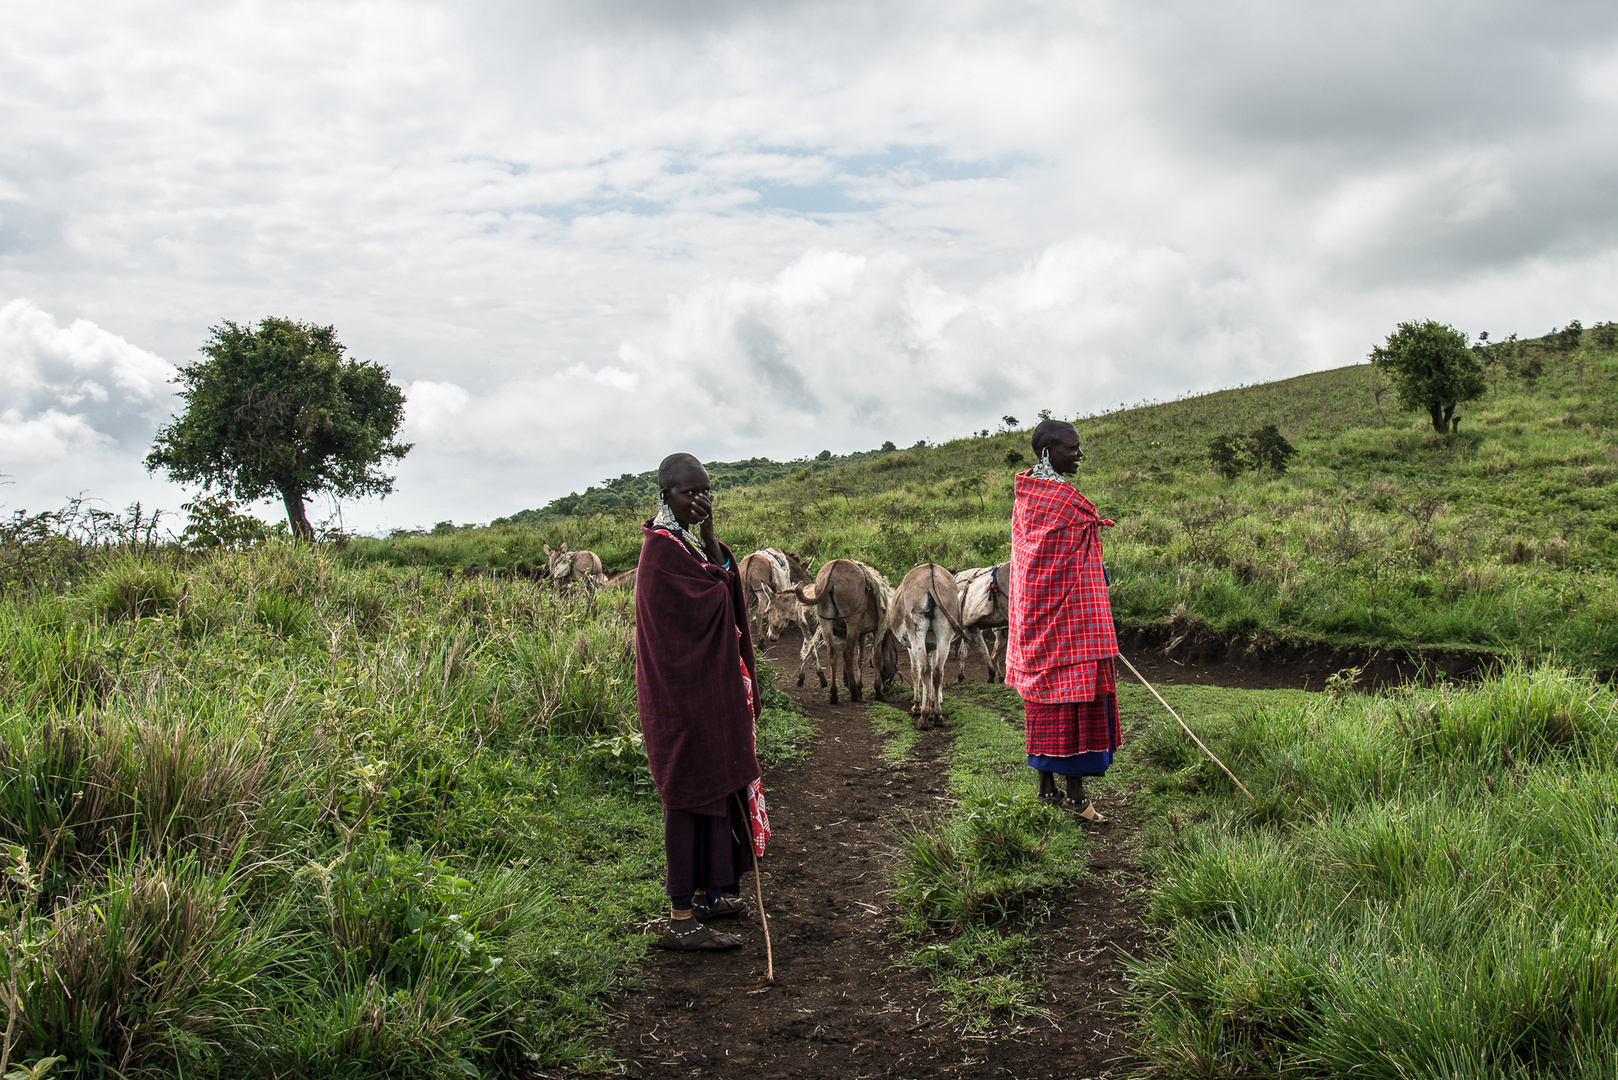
{"x": 276, "y": 410}
{"x": 1432, "y": 368}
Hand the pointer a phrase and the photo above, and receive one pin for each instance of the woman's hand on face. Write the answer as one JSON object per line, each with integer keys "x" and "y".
{"x": 703, "y": 506}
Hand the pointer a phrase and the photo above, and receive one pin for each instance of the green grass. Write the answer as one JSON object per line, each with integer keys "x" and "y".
{"x": 273, "y": 813}
{"x": 785, "y": 734}
{"x": 971, "y": 884}
{"x": 1500, "y": 538}
{"x": 1424, "y": 887}
{"x": 896, "y": 730}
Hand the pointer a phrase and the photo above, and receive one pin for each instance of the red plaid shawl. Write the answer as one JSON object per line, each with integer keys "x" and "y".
{"x": 696, "y": 712}
{"x": 1061, "y": 620}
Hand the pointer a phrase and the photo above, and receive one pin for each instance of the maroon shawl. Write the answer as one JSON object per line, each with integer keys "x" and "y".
{"x": 688, "y": 671}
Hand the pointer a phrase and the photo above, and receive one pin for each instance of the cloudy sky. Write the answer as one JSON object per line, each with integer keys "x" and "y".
{"x": 583, "y": 235}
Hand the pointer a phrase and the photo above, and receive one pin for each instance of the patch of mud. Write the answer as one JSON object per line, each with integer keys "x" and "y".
{"x": 1209, "y": 660}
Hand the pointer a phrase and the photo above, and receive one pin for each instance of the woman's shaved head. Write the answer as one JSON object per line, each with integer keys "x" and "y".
{"x": 1049, "y": 431}
{"x": 676, "y": 467}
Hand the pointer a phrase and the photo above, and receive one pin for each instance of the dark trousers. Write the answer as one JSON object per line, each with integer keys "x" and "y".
{"x": 704, "y": 851}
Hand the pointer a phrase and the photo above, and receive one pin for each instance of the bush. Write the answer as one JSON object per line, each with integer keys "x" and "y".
{"x": 1262, "y": 448}
{"x": 135, "y": 589}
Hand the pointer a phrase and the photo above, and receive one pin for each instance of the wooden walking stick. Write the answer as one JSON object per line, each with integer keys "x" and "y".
{"x": 758, "y": 892}
{"x": 1183, "y": 724}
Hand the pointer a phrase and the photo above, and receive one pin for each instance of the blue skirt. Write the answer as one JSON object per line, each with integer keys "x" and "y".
{"x": 1094, "y": 763}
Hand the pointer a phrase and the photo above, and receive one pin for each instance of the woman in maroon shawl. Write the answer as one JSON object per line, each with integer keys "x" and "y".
{"x": 695, "y": 673}
{"x": 1062, "y": 641}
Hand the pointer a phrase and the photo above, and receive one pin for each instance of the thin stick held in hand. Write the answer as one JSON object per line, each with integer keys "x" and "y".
{"x": 758, "y": 894}
{"x": 1187, "y": 727}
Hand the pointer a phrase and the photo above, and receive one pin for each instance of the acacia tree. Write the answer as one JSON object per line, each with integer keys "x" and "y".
{"x": 1432, "y": 368}
{"x": 276, "y": 410}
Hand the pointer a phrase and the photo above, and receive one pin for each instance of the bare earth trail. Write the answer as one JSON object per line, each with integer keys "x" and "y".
{"x": 843, "y": 1005}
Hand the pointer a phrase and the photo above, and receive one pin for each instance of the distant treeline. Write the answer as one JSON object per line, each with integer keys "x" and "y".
{"x": 639, "y": 490}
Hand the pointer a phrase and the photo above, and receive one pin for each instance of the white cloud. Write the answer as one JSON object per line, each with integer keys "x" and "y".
{"x": 614, "y": 378}
{"x": 68, "y": 389}
{"x": 581, "y": 234}
{"x": 81, "y": 406}
{"x": 48, "y": 437}
{"x": 430, "y": 406}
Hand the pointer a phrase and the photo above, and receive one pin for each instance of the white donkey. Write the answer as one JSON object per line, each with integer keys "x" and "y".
{"x": 925, "y": 616}
{"x": 985, "y": 595}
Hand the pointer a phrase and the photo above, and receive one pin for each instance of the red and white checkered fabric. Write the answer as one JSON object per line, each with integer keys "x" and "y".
{"x": 760, "y": 817}
{"x": 1061, "y": 619}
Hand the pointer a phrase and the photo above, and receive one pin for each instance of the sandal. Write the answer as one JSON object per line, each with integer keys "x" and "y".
{"x": 1085, "y": 810}
{"x": 1050, "y": 798}
{"x": 699, "y": 937}
{"x": 726, "y": 907}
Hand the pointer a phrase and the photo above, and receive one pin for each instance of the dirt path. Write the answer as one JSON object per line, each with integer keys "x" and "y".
{"x": 843, "y": 1005}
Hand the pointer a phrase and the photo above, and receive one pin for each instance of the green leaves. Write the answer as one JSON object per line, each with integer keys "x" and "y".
{"x": 276, "y": 410}
{"x": 1262, "y": 448}
{"x": 1432, "y": 368}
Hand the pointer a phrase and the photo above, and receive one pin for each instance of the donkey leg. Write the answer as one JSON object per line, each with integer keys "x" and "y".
{"x": 936, "y": 675}
{"x": 918, "y": 674}
{"x": 854, "y": 661}
{"x": 834, "y": 655}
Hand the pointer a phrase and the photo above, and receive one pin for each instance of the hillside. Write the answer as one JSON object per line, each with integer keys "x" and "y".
{"x": 632, "y": 491}
{"x": 1502, "y": 536}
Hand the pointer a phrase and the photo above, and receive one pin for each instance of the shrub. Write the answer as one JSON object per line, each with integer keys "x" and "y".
{"x": 134, "y": 589}
{"x": 216, "y": 521}
{"x": 149, "y": 976}
{"x": 284, "y": 615}
{"x": 1262, "y": 448}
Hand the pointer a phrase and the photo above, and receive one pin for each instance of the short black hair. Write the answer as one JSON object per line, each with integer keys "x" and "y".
{"x": 673, "y": 467}
{"x": 1047, "y": 432}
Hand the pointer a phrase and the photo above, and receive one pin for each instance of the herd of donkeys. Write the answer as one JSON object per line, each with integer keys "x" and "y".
{"x": 858, "y": 615}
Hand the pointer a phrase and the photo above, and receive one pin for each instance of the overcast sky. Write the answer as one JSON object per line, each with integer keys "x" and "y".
{"x": 583, "y": 235}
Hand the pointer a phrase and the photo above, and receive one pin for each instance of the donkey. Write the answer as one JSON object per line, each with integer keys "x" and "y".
{"x": 852, "y": 599}
{"x": 623, "y": 580}
{"x": 765, "y": 573}
{"x": 786, "y": 610}
{"x": 566, "y": 567}
{"x": 924, "y": 616}
{"x": 985, "y": 594}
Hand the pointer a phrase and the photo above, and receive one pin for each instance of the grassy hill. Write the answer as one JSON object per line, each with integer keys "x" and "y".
{"x": 1502, "y": 536}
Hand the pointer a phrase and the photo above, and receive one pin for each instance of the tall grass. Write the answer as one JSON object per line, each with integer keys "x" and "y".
{"x": 268, "y": 813}
{"x": 1425, "y": 888}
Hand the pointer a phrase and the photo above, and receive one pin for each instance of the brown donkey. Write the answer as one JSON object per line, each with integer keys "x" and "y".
{"x": 765, "y": 573}
{"x": 566, "y": 567}
{"x": 852, "y": 601}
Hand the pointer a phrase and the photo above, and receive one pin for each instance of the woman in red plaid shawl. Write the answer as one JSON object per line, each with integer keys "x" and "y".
{"x": 1062, "y": 641}
{"x": 695, "y": 677}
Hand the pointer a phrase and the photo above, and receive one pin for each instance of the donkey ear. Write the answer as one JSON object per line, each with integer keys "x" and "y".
{"x": 952, "y": 569}
{"x": 547, "y": 548}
